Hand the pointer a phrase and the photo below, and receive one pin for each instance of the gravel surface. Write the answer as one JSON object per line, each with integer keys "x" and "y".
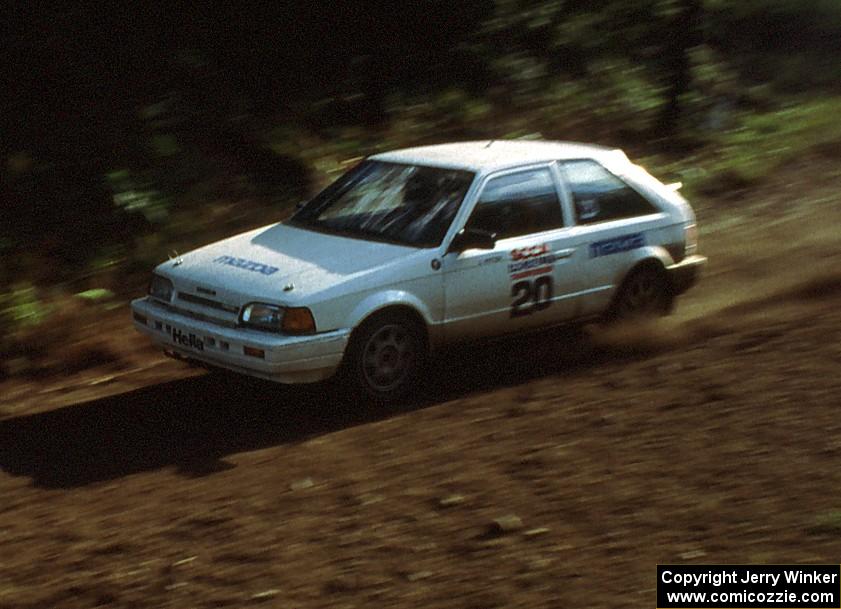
{"x": 554, "y": 470}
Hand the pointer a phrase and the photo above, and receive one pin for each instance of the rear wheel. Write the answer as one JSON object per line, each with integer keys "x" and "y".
{"x": 644, "y": 294}
{"x": 386, "y": 356}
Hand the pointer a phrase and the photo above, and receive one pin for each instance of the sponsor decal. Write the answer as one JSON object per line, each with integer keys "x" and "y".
{"x": 531, "y": 296}
{"x": 615, "y": 245}
{"x": 530, "y": 261}
{"x": 187, "y": 340}
{"x": 246, "y": 265}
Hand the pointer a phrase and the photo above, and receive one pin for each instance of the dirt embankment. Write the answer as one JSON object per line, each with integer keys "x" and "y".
{"x": 551, "y": 471}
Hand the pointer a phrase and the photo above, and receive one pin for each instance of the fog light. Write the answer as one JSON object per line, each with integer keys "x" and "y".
{"x": 254, "y": 352}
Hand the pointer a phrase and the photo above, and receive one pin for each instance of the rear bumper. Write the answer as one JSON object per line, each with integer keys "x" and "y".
{"x": 285, "y": 359}
{"x": 685, "y": 273}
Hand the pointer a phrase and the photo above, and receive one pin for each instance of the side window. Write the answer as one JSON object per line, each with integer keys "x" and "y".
{"x": 518, "y": 204}
{"x": 598, "y": 195}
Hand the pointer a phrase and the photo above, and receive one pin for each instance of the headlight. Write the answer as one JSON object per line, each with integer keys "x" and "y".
{"x": 263, "y": 316}
{"x": 160, "y": 288}
{"x": 295, "y": 320}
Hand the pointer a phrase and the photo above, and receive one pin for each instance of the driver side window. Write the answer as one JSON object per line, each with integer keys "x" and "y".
{"x": 518, "y": 204}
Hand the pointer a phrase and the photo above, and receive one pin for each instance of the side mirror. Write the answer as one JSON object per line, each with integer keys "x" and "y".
{"x": 473, "y": 238}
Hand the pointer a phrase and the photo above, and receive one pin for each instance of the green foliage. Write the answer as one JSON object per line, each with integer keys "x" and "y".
{"x": 96, "y": 294}
{"x": 827, "y": 523}
{"x": 764, "y": 142}
{"x": 109, "y": 257}
{"x": 100, "y": 297}
{"x": 754, "y": 146}
{"x": 133, "y": 194}
{"x": 624, "y": 94}
{"x": 199, "y": 159}
{"x": 21, "y": 307}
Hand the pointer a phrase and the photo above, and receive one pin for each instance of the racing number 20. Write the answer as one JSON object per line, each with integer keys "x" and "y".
{"x": 531, "y": 296}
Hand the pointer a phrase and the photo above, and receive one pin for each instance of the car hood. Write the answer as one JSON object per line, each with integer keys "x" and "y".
{"x": 263, "y": 263}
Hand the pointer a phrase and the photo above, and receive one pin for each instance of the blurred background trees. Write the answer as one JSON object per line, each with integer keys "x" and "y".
{"x": 126, "y": 134}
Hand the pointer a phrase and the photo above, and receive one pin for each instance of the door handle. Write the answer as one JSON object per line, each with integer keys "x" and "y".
{"x": 490, "y": 260}
{"x": 566, "y": 253}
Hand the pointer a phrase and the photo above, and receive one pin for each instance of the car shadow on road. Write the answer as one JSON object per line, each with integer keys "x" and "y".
{"x": 194, "y": 423}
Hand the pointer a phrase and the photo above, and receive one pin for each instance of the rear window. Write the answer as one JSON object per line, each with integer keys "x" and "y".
{"x": 600, "y": 196}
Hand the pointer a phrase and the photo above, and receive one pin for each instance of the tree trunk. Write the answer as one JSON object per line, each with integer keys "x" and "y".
{"x": 682, "y": 36}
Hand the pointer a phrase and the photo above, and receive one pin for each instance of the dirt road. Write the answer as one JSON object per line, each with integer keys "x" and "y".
{"x": 555, "y": 479}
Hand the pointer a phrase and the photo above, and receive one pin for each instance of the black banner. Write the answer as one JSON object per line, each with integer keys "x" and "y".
{"x": 748, "y": 586}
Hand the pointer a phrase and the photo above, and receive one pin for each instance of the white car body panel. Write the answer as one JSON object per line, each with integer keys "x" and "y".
{"x": 489, "y": 157}
{"x": 479, "y": 287}
{"x": 288, "y": 359}
{"x": 458, "y": 295}
{"x": 313, "y": 262}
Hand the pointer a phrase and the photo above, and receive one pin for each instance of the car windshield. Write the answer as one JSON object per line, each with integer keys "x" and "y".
{"x": 406, "y": 204}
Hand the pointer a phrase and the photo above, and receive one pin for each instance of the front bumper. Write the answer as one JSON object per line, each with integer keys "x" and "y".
{"x": 685, "y": 273}
{"x": 285, "y": 359}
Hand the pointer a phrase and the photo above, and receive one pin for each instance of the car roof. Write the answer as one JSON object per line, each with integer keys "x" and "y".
{"x": 491, "y": 155}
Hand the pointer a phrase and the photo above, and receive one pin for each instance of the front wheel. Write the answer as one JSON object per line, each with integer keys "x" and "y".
{"x": 386, "y": 356}
{"x": 644, "y": 294}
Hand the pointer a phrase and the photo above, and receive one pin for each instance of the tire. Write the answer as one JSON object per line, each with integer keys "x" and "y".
{"x": 386, "y": 356}
{"x": 644, "y": 294}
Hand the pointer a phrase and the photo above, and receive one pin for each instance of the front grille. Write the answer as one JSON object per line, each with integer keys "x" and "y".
{"x": 201, "y": 317}
{"x": 207, "y": 302}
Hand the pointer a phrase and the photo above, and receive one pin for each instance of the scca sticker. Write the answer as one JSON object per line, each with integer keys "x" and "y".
{"x": 530, "y": 261}
{"x": 246, "y": 265}
{"x": 625, "y": 243}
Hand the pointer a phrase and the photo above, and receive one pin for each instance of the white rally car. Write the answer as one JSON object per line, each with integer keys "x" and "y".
{"x": 416, "y": 248}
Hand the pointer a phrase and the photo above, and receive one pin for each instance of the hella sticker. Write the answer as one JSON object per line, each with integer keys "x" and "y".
{"x": 625, "y": 243}
{"x": 187, "y": 340}
{"x": 246, "y": 265}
